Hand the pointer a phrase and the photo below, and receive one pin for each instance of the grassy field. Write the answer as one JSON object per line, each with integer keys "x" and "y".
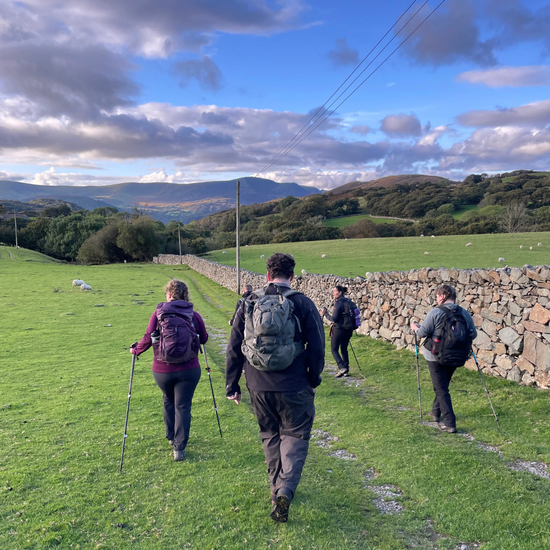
{"x": 64, "y": 371}
{"x": 457, "y": 214}
{"x": 350, "y": 220}
{"x": 357, "y": 256}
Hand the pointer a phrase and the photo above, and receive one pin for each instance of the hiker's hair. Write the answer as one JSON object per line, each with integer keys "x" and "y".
{"x": 342, "y": 289}
{"x": 447, "y": 291}
{"x": 249, "y": 288}
{"x": 280, "y": 266}
{"x": 178, "y": 289}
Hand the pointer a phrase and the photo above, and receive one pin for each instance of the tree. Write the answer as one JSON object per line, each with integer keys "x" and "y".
{"x": 138, "y": 238}
{"x": 34, "y": 235}
{"x": 514, "y": 219}
{"x": 101, "y": 247}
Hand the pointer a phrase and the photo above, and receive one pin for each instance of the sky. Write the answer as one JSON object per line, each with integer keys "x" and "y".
{"x": 97, "y": 92}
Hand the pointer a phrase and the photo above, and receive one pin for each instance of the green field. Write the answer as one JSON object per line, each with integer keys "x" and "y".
{"x": 457, "y": 214}
{"x": 64, "y": 371}
{"x": 350, "y": 220}
{"x": 357, "y": 256}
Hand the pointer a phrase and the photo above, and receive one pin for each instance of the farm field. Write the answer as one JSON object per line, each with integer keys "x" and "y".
{"x": 350, "y": 220}
{"x": 64, "y": 372}
{"x": 357, "y": 256}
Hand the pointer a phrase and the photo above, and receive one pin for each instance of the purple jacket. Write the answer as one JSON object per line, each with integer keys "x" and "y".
{"x": 177, "y": 307}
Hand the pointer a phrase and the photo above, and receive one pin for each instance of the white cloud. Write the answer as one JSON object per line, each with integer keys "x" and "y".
{"x": 533, "y": 75}
{"x": 154, "y": 177}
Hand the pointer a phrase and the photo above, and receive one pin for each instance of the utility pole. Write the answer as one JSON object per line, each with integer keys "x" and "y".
{"x": 15, "y": 222}
{"x": 179, "y": 239}
{"x": 238, "y": 231}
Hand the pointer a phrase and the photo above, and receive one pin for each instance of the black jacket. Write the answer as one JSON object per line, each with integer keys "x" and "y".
{"x": 304, "y": 371}
{"x": 337, "y": 316}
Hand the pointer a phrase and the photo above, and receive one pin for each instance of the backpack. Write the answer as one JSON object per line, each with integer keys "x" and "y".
{"x": 351, "y": 316}
{"x": 269, "y": 329}
{"x": 179, "y": 342}
{"x": 455, "y": 342}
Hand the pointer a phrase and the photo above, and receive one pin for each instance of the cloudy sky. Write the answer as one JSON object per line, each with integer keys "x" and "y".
{"x": 95, "y": 92}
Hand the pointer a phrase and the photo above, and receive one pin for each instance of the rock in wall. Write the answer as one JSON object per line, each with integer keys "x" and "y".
{"x": 510, "y": 308}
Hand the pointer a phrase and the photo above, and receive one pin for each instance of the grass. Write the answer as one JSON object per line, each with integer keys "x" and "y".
{"x": 357, "y": 256}
{"x": 63, "y": 398}
{"x": 350, "y": 220}
{"x": 457, "y": 214}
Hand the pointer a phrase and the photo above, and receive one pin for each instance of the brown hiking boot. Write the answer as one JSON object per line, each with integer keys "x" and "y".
{"x": 342, "y": 372}
{"x": 179, "y": 455}
{"x": 447, "y": 429}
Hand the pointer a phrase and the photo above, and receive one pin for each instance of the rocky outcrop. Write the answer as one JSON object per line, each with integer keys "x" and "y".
{"x": 510, "y": 307}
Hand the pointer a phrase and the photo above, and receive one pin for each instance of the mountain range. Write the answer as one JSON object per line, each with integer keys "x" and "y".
{"x": 163, "y": 201}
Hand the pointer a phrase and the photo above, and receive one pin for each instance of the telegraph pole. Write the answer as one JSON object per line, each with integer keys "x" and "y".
{"x": 179, "y": 239}
{"x": 238, "y": 231}
{"x": 15, "y": 222}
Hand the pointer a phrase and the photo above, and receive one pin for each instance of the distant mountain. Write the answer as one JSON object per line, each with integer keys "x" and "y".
{"x": 163, "y": 201}
{"x": 388, "y": 181}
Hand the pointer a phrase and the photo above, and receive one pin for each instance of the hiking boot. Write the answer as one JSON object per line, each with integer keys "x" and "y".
{"x": 279, "y": 513}
{"x": 171, "y": 442}
{"x": 435, "y": 418}
{"x": 179, "y": 455}
{"x": 342, "y": 372}
{"x": 447, "y": 429}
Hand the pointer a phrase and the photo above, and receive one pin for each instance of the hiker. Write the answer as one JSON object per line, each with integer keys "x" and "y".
{"x": 339, "y": 336}
{"x": 433, "y": 329}
{"x": 176, "y": 375}
{"x": 248, "y": 292}
{"x": 282, "y": 371}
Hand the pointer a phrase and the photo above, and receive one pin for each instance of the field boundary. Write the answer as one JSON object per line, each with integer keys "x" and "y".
{"x": 508, "y": 306}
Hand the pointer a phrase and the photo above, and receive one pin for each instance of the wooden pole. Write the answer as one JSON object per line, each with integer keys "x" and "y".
{"x": 179, "y": 239}
{"x": 15, "y": 222}
{"x": 238, "y": 235}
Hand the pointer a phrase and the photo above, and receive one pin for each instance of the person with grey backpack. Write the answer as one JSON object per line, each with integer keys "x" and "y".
{"x": 277, "y": 336}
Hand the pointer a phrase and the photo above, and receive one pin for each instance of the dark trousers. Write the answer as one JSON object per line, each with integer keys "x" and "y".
{"x": 285, "y": 421}
{"x": 177, "y": 393}
{"x": 339, "y": 341}
{"x": 441, "y": 378}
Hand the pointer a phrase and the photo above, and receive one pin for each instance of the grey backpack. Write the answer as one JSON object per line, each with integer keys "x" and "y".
{"x": 269, "y": 328}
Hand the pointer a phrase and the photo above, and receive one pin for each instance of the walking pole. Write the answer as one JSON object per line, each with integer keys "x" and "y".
{"x": 212, "y": 388}
{"x": 127, "y": 410}
{"x": 353, "y": 351}
{"x": 417, "y": 374}
{"x": 486, "y": 390}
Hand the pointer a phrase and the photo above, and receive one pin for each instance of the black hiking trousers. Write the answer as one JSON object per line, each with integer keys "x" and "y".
{"x": 285, "y": 420}
{"x": 339, "y": 341}
{"x": 441, "y": 378}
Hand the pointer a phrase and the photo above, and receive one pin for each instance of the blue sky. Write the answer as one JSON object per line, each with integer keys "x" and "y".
{"x": 96, "y": 92}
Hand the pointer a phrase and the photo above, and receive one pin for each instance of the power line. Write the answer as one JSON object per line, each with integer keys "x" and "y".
{"x": 336, "y": 91}
{"x": 313, "y": 128}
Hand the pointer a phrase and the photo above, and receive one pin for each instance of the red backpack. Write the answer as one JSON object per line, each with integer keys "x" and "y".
{"x": 179, "y": 342}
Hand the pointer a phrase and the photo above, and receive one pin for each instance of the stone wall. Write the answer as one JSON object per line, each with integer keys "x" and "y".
{"x": 510, "y": 307}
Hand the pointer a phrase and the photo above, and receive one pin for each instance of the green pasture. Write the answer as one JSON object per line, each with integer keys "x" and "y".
{"x": 457, "y": 214}
{"x": 350, "y": 220}
{"x": 357, "y": 256}
{"x": 64, "y": 372}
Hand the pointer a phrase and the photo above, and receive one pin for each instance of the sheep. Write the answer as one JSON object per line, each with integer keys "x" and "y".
{"x": 368, "y": 274}
{"x": 540, "y": 244}
{"x": 468, "y": 244}
{"x": 323, "y": 255}
{"x": 500, "y": 260}
{"x": 433, "y": 236}
{"x": 421, "y": 235}
{"x": 426, "y": 253}
{"x": 224, "y": 252}
{"x": 85, "y": 287}
{"x": 262, "y": 257}
{"x": 304, "y": 272}
{"x": 78, "y": 282}
{"x": 347, "y": 239}
{"x": 530, "y": 248}
{"x": 521, "y": 246}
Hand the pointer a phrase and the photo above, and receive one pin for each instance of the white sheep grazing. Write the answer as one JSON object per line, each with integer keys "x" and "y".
{"x": 426, "y": 253}
{"x": 347, "y": 239}
{"x": 501, "y": 260}
{"x": 262, "y": 257}
{"x": 521, "y": 246}
{"x": 323, "y": 255}
{"x": 530, "y": 248}
{"x": 367, "y": 274}
{"x": 85, "y": 287}
{"x": 421, "y": 235}
{"x": 78, "y": 282}
{"x": 433, "y": 236}
{"x": 304, "y": 272}
{"x": 540, "y": 244}
{"x": 224, "y": 252}
{"x": 468, "y": 244}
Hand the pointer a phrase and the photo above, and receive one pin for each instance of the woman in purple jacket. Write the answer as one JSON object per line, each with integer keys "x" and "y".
{"x": 176, "y": 380}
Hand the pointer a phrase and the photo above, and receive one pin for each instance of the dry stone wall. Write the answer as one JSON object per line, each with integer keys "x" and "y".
{"x": 510, "y": 307}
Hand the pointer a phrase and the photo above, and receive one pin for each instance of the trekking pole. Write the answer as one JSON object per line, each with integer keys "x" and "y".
{"x": 353, "y": 351}
{"x": 417, "y": 374}
{"x": 212, "y": 388}
{"x": 486, "y": 390}
{"x": 127, "y": 409}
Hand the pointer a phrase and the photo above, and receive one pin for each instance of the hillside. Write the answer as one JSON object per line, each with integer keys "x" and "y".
{"x": 163, "y": 201}
{"x": 388, "y": 181}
